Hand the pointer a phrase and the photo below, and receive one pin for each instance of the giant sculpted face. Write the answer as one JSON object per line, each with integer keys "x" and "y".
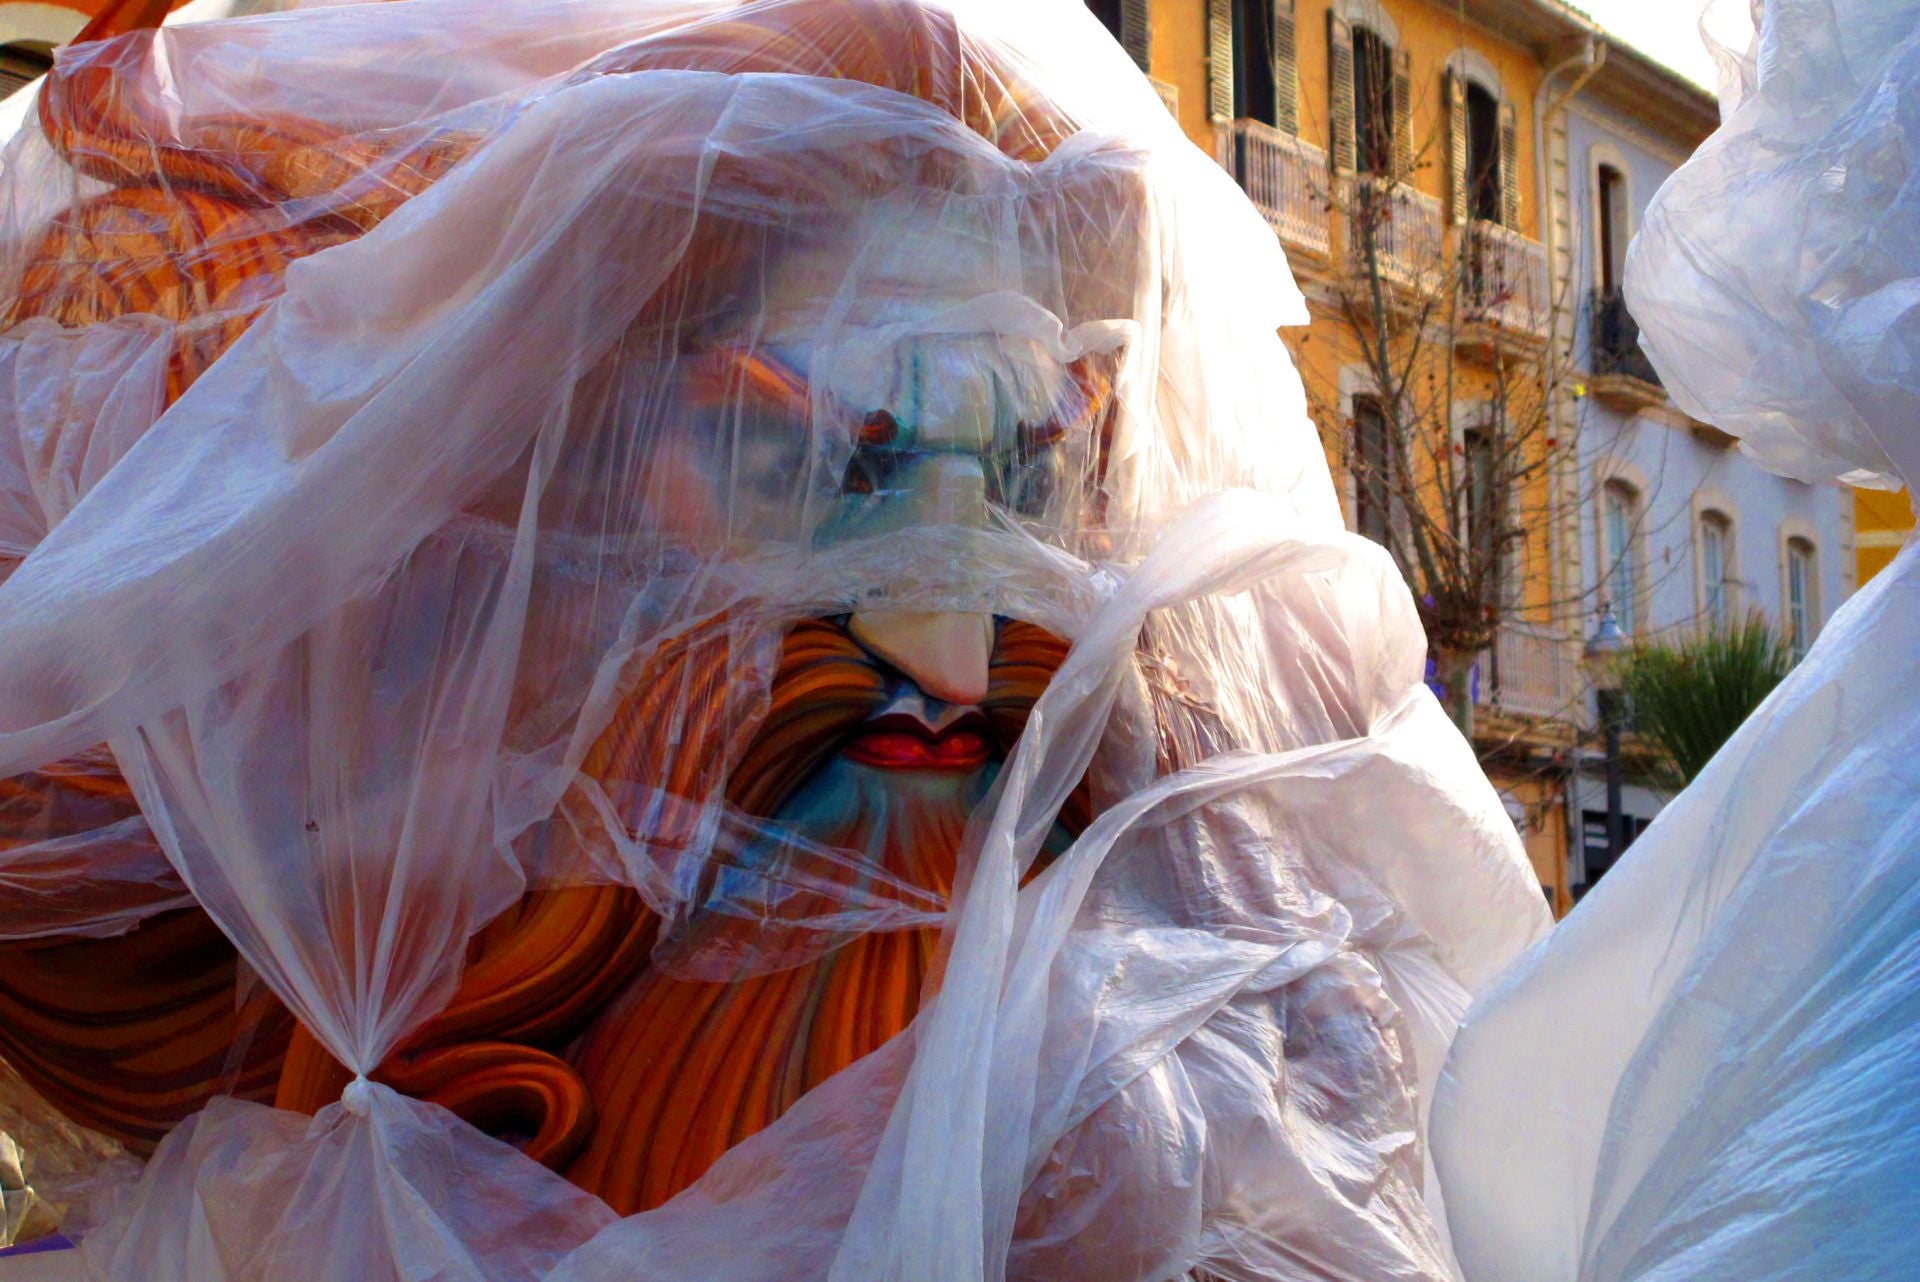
{"x": 732, "y": 598}
{"x": 740, "y": 892}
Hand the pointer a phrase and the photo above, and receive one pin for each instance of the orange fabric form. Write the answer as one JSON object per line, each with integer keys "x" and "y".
{"x": 696, "y": 639}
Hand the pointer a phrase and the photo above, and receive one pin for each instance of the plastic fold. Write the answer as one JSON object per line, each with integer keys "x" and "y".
{"x": 714, "y": 643}
{"x": 1711, "y": 1068}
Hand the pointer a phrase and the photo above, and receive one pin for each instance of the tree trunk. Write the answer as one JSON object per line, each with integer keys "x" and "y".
{"x": 1455, "y": 670}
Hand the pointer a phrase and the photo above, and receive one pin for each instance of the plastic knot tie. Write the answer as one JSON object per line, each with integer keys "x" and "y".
{"x": 358, "y": 1097}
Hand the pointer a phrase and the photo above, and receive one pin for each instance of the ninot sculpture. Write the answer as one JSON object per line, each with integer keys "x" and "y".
{"x": 738, "y": 598}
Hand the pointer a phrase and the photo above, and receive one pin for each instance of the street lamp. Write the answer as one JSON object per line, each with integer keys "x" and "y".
{"x": 1603, "y": 669}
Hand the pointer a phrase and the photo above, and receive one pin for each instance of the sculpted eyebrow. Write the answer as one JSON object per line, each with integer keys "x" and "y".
{"x": 729, "y": 371}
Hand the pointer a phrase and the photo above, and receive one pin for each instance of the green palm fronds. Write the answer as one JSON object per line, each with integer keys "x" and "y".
{"x": 1688, "y": 696}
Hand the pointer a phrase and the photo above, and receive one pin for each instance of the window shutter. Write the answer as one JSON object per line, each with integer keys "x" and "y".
{"x": 1509, "y": 167}
{"x": 1457, "y": 148}
{"x": 1136, "y": 33}
{"x": 1286, "y": 69}
{"x": 1220, "y": 59}
{"x": 1340, "y": 91}
{"x": 1402, "y": 115}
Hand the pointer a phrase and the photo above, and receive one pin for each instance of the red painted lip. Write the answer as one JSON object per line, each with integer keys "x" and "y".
{"x": 898, "y": 742}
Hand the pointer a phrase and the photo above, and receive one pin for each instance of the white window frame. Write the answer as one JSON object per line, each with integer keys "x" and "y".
{"x": 1607, "y": 155}
{"x": 1710, "y": 505}
{"x": 1796, "y": 538}
{"x": 1628, "y": 613}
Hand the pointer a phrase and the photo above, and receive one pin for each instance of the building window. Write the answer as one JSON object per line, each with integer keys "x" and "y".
{"x": 21, "y": 65}
{"x": 1372, "y": 468}
{"x": 1595, "y": 854}
{"x": 1620, "y": 511}
{"x": 1373, "y": 101}
{"x": 1255, "y": 95}
{"x": 1716, "y": 543}
{"x": 1483, "y": 155}
{"x": 1127, "y": 22}
{"x": 1611, "y": 187}
{"x": 1802, "y": 606}
{"x": 1483, "y": 504}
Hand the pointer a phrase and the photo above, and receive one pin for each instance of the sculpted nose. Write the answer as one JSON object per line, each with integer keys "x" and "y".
{"x": 945, "y": 653}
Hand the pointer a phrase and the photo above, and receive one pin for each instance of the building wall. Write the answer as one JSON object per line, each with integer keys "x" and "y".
{"x": 1431, "y": 34}
{"x": 43, "y": 24}
{"x": 1881, "y": 523}
{"x": 1526, "y": 763}
{"x": 1679, "y": 468}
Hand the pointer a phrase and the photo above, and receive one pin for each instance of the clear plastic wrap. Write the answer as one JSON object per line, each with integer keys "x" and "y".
{"x": 737, "y": 612}
{"x": 1712, "y": 1068}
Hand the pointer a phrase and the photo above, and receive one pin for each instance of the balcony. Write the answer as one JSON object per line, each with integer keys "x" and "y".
{"x": 1285, "y": 178}
{"x": 1623, "y": 377}
{"x": 1531, "y": 672}
{"x": 1504, "y": 297}
{"x": 1404, "y": 230}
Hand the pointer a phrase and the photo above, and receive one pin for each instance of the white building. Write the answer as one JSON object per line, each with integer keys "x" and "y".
{"x": 1677, "y": 529}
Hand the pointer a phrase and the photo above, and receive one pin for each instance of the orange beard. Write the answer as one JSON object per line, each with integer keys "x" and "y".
{"x": 630, "y": 1063}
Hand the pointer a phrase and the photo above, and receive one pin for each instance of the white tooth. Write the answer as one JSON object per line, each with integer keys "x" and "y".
{"x": 943, "y": 652}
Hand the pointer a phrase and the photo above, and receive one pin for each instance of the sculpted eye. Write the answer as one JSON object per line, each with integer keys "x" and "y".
{"x": 1022, "y": 476}
{"x": 875, "y": 459}
{"x": 870, "y": 470}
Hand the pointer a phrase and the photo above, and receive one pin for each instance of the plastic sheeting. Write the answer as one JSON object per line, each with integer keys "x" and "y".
{"x": 1712, "y": 1068}
{"x": 808, "y": 497}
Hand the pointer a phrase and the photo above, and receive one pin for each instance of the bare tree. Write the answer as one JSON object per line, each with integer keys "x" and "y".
{"x": 1447, "y": 434}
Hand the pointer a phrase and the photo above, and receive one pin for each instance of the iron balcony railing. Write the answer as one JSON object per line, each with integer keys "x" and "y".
{"x": 1616, "y": 339}
{"x": 1284, "y": 177}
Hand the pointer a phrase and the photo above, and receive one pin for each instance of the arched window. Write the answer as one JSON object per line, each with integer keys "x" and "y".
{"x": 1128, "y": 21}
{"x": 1619, "y": 537}
{"x": 1803, "y": 606}
{"x": 1484, "y": 497}
{"x": 1371, "y": 463}
{"x": 1715, "y": 549}
{"x": 1612, "y": 231}
{"x": 1484, "y": 178}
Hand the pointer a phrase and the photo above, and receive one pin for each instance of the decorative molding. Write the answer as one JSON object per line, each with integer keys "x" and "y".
{"x": 1611, "y": 473}
{"x": 1370, "y": 14}
{"x": 1654, "y": 145}
{"x": 1791, "y": 530}
{"x": 1711, "y": 500}
{"x": 1475, "y": 67}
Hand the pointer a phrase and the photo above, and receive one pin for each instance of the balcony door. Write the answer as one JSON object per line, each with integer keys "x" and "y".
{"x": 1612, "y": 231}
{"x": 1255, "y": 87}
{"x": 1484, "y": 179}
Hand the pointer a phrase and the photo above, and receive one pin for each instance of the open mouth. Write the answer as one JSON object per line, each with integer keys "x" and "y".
{"x": 901, "y": 741}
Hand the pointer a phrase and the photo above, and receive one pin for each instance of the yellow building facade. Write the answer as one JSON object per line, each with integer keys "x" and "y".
{"x": 1882, "y": 520}
{"x": 1458, "y": 108}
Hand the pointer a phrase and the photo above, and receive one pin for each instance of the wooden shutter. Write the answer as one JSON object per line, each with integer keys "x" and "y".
{"x": 1457, "y": 178}
{"x": 1402, "y": 115}
{"x": 1340, "y": 91}
{"x": 1509, "y": 167}
{"x": 1220, "y": 59}
{"x": 1136, "y": 33}
{"x": 1286, "y": 69}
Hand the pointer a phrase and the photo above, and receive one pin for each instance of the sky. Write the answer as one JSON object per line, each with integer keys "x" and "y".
{"x": 1669, "y": 30}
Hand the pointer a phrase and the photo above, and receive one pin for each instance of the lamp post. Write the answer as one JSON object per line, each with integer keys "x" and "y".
{"x": 1603, "y": 669}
